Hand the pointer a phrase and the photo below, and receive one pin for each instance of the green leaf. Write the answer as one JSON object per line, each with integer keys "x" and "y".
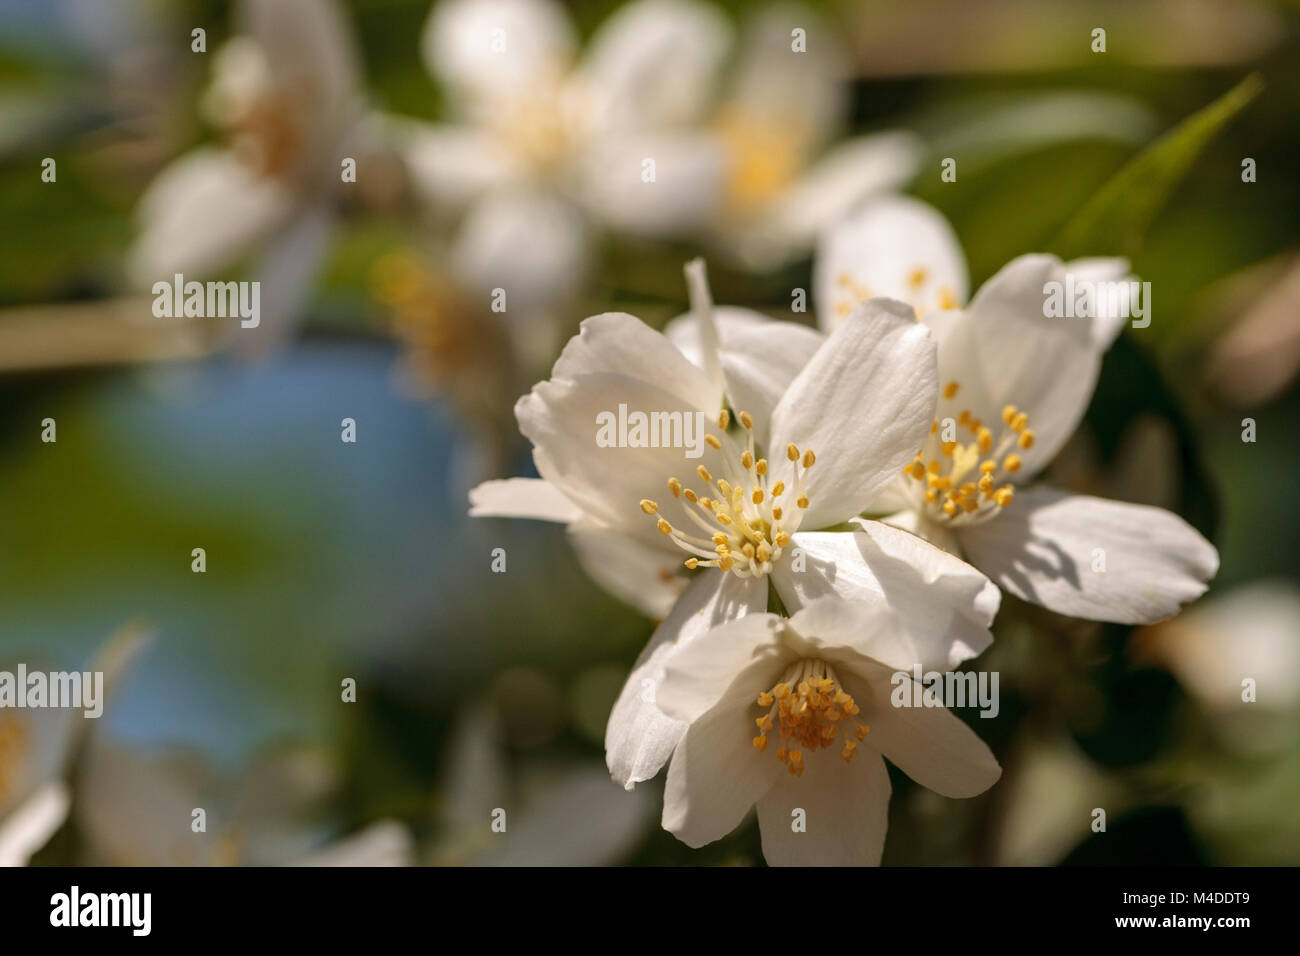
{"x": 1116, "y": 218}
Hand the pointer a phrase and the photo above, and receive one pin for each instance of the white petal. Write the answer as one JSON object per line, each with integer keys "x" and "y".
{"x": 698, "y": 677}
{"x": 1044, "y": 545}
{"x": 846, "y": 176}
{"x": 1046, "y": 367}
{"x": 287, "y": 273}
{"x": 563, "y": 419}
{"x": 1109, "y": 320}
{"x": 201, "y": 214}
{"x": 615, "y": 343}
{"x": 760, "y": 357}
{"x": 878, "y": 250}
{"x": 716, "y": 775}
{"x": 681, "y": 198}
{"x": 490, "y": 51}
{"x": 640, "y": 737}
{"x": 453, "y": 165}
{"x": 929, "y": 744}
{"x": 31, "y": 824}
{"x": 311, "y": 53}
{"x": 655, "y": 63}
{"x": 639, "y": 574}
{"x": 807, "y": 94}
{"x": 522, "y": 498}
{"x": 945, "y": 604}
{"x": 532, "y": 245}
{"x": 845, "y": 807}
{"x": 864, "y": 404}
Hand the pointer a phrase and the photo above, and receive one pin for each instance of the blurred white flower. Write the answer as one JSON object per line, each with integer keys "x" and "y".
{"x": 1015, "y": 386}
{"x": 820, "y": 681}
{"x": 36, "y": 746}
{"x": 564, "y": 814}
{"x": 545, "y": 146}
{"x": 286, "y": 94}
{"x": 1252, "y": 631}
{"x": 788, "y": 175}
{"x": 138, "y": 809}
{"x": 839, "y": 418}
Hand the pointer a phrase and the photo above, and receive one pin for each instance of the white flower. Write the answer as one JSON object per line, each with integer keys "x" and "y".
{"x": 286, "y": 94}
{"x": 821, "y": 428}
{"x": 1015, "y": 385}
{"x": 545, "y": 146}
{"x": 785, "y": 182}
{"x": 794, "y": 716}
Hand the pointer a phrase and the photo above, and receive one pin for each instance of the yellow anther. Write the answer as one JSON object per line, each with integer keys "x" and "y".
{"x": 724, "y": 419}
{"x": 760, "y": 466}
{"x": 916, "y": 470}
{"x": 985, "y": 438}
{"x": 665, "y": 527}
{"x": 649, "y": 507}
{"x": 988, "y": 467}
{"x": 1019, "y": 422}
{"x": 757, "y": 496}
{"x": 986, "y": 483}
{"x": 792, "y": 452}
{"x": 760, "y": 743}
{"x": 947, "y": 299}
{"x": 916, "y": 278}
{"x": 1008, "y": 413}
{"x": 809, "y": 459}
{"x": 782, "y": 539}
{"x": 946, "y": 448}
{"x": 725, "y": 563}
{"x": 935, "y": 466}
{"x": 861, "y": 731}
{"x": 747, "y": 420}
{"x": 777, "y": 513}
{"x": 724, "y": 518}
{"x": 703, "y": 473}
{"x": 931, "y": 496}
{"x": 747, "y": 460}
{"x": 724, "y": 486}
{"x": 675, "y": 487}
{"x": 1004, "y": 495}
{"x": 713, "y": 442}
{"x": 1026, "y": 439}
{"x": 764, "y": 723}
{"x": 690, "y": 496}
{"x": 765, "y": 699}
{"x": 949, "y": 508}
{"x": 1011, "y": 463}
{"x": 781, "y": 691}
{"x": 692, "y": 563}
{"x": 950, "y": 389}
{"x": 802, "y": 501}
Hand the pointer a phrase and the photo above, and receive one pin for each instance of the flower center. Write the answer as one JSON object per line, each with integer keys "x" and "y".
{"x": 962, "y": 471}
{"x": 751, "y": 521}
{"x": 13, "y": 748}
{"x": 259, "y": 119}
{"x": 806, "y": 706}
{"x": 765, "y": 156}
{"x": 922, "y": 294}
